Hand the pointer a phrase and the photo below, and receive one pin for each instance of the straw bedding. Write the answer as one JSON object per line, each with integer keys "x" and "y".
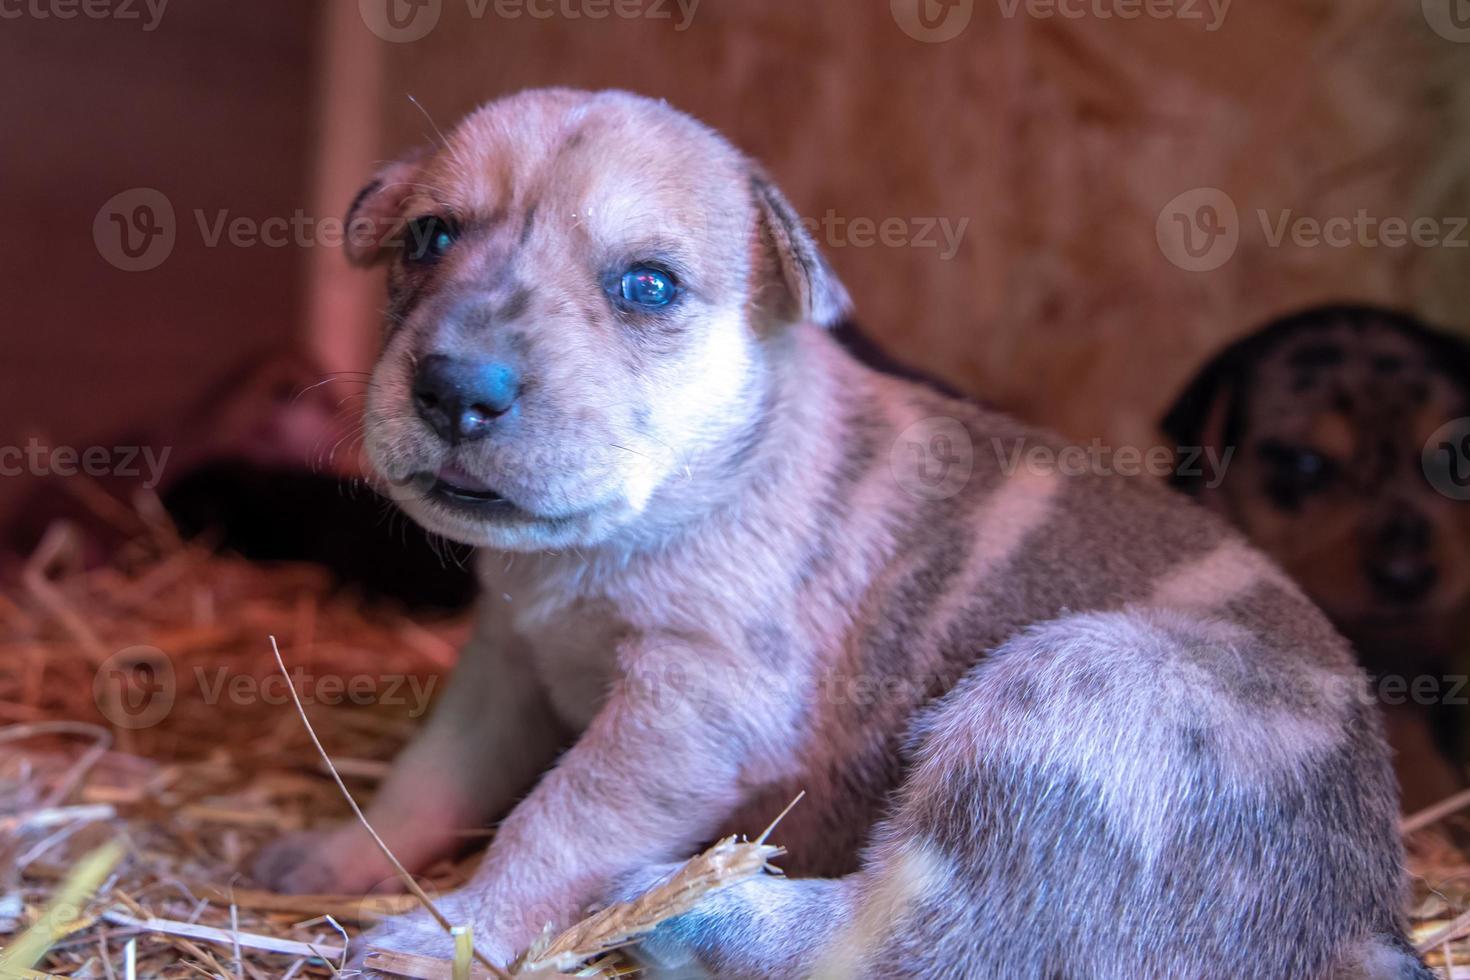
{"x": 185, "y": 774}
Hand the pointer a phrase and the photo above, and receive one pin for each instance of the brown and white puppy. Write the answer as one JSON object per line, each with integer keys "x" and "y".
{"x": 1331, "y": 415}
{"x": 1034, "y": 713}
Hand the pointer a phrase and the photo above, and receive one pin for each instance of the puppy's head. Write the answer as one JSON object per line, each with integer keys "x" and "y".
{"x": 1329, "y": 412}
{"x": 583, "y": 293}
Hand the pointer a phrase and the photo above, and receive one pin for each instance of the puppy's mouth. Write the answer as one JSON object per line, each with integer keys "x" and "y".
{"x": 454, "y": 486}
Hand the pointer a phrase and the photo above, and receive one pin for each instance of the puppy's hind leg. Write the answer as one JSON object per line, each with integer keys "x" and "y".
{"x": 1382, "y": 958}
{"x": 1148, "y": 793}
{"x": 1109, "y": 796}
{"x": 769, "y": 926}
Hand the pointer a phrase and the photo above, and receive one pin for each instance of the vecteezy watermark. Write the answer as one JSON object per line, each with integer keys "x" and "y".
{"x": 1450, "y": 690}
{"x": 1211, "y": 12}
{"x": 937, "y": 21}
{"x": 137, "y": 229}
{"x": 1200, "y": 230}
{"x": 933, "y": 21}
{"x": 1362, "y": 230}
{"x": 148, "y": 13}
{"x": 139, "y": 687}
{"x": 409, "y": 691}
{"x": 1446, "y": 459}
{"x": 1204, "y": 463}
{"x": 1450, "y": 19}
{"x": 405, "y": 21}
{"x": 37, "y": 459}
{"x": 934, "y": 459}
{"x": 838, "y": 231}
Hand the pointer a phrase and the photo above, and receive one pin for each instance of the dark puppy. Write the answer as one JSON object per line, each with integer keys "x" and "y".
{"x": 1344, "y": 471}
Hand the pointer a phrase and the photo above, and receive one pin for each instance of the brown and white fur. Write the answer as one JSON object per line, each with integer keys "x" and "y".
{"x": 1047, "y": 725}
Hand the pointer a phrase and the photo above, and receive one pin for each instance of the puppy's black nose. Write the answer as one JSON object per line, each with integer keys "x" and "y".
{"x": 461, "y": 399}
{"x": 1400, "y": 566}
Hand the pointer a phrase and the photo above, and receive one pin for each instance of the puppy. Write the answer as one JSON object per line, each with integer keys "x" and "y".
{"x": 1047, "y": 725}
{"x": 1336, "y": 473}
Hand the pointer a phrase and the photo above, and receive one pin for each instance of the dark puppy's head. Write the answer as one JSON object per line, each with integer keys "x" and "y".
{"x": 1329, "y": 413}
{"x": 585, "y": 290}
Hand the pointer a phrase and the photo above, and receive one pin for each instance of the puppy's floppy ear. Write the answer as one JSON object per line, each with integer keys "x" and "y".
{"x": 1210, "y": 413}
{"x": 796, "y": 283}
{"x": 1452, "y": 353}
{"x": 375, "y": 217}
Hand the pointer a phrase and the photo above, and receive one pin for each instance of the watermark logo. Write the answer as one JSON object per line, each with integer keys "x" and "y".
{"x": 933, "y": 459}
{"x": 1199, "y": 230}
{"x": 1446, "y": 459}
{"x": 135, "y": 688}
{"x": 138, "y": 229}
{"x": 933, "y": 21}
{"x": 1450, "y": 19}
{"x": 135, "y": 230}
{"x": 400, "y": 21}
{"x": 139, "y": 687}
{"x": 668, "y": 693}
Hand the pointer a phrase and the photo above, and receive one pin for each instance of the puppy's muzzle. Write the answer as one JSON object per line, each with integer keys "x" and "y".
{"x": 1400, "y": 566}
{"x": 462, "y": 399}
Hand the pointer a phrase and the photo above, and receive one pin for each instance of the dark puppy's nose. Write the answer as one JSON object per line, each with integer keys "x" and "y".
{"x": 460, "y": 398}
{"x": 1400, "y": 567}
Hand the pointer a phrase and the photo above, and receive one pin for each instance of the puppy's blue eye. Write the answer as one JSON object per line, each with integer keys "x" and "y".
{"x": 645, "y": 286}
{"x": 1311, "y": 465}
{"x": 428, "y": 240}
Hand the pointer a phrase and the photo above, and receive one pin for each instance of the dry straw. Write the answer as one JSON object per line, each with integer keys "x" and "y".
{"x": 196, "y": 794}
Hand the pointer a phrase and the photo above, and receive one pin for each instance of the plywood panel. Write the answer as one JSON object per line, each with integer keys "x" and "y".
{"x": 1058, "y": 141}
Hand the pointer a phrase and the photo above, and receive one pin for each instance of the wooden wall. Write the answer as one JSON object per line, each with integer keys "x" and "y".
{"x": 1060, "y": 141}
{"x": 1055, "y": 142}
{"x": 210, "y": 106}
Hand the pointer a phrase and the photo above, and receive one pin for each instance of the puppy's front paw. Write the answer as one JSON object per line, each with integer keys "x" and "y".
{"x": 419, "y": 934}
{"x": 664, "y": 952}
{"x": 638, "y": 883}
{"x": 321, "y": 862}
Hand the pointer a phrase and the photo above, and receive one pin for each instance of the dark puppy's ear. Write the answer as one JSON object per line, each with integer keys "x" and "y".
{"x": 375, "y": 217}
{"x": 1452, "y": 353}
{"x": 798, "y": 283}
{"x": 1210, "y": 412}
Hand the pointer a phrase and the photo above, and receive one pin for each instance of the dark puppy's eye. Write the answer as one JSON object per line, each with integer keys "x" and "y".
{"x": 428, "y": 240}
{"x": 1309, "y": 465}
{"x": 1295, "y": 471}
{"x": 648, "y": 287}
